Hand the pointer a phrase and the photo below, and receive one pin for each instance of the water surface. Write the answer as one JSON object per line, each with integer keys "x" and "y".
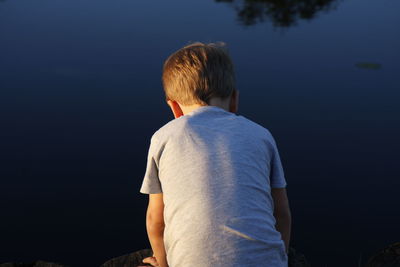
{"x": 80, "y": 96}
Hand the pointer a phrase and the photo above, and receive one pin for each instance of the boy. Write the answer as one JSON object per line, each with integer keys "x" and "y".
{"x": 216, "y": 186}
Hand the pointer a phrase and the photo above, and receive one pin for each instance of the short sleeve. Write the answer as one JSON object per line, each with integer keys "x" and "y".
{"x": 151, "y": 182}
{"x": 277, "y": 176}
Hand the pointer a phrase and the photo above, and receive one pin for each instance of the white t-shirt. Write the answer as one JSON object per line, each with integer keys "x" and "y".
{"x": 216, "y": 170}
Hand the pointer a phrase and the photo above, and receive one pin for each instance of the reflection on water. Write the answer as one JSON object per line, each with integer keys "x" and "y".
{"x": 282, "y": 13}
{"x": 369, "y": 65}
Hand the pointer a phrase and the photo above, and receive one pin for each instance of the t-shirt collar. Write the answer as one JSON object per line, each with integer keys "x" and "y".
{"x": 205, "y": 109}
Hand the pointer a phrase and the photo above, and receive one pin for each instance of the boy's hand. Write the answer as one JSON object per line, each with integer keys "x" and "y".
{"x": 150, "y": 260}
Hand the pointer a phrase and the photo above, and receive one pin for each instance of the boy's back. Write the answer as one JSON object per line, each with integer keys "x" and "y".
{"x": 216, "y": 170}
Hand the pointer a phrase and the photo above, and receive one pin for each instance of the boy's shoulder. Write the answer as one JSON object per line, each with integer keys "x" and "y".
{"x": 223, "y": 119}
{"x": 258, "y": 128}
{"x": 170, "y": 128}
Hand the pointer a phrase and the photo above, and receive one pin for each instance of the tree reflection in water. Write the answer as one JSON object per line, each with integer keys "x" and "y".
{"x": 282, "y": 13}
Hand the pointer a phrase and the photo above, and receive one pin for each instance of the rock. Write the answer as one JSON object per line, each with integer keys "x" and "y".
{"x": 296, "y": 259}
{"x": 32, "y": 264}
{"x": 388, "y": 256}
{"x": 135, "y": 259}
{"x": 129, "y": 260}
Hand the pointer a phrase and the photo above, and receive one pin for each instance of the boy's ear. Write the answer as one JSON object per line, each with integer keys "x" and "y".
{"x": 234, "y": 102}
{"x": 176, "y": 109}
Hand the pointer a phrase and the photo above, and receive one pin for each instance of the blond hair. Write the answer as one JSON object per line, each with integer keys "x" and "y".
{"x": 198, "y": 72}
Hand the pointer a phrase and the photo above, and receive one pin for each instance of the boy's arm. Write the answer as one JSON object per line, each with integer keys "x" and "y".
{"x": 282, "y": 214}
{"x": 155, "y": 227}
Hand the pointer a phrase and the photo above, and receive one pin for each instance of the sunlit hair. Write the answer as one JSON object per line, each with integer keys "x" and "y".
{"x": 198, "y": 72}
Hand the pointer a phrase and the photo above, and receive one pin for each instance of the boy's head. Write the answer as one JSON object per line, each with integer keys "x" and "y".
{"x": 198, "y": 72}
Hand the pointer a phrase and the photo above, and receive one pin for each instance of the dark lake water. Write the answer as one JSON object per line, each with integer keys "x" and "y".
{"x": 80, "y": 96}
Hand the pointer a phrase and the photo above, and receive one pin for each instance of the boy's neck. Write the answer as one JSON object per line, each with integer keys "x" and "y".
{"x": 229, "y": 104}
{"x": 216, "y": 102}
